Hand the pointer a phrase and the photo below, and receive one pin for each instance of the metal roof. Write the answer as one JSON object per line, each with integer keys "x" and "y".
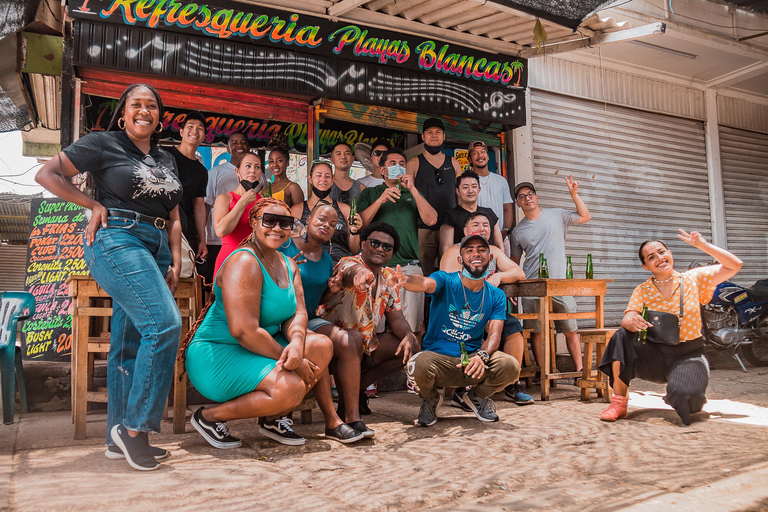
{"x": 14, "y": 217}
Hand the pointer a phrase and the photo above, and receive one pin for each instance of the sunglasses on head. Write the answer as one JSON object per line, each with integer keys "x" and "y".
{"x": 270, "y": 220}
{"x": 375, "y": 244}
{"x": 321, "y": 161}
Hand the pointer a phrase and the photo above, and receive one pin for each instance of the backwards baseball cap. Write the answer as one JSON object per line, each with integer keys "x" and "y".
{"x": 473, "y": 236}
{"x": 194, "y": 116}
{"x": 525, "y": 184}
{"x": 475, "y": 144}
{"x": 432, "y": 122}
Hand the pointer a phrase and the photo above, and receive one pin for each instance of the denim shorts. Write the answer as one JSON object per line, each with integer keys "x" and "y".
{"x": 316, "y": 323}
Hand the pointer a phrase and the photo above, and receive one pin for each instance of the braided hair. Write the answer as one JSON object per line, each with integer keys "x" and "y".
{"x": 259, "y": 207}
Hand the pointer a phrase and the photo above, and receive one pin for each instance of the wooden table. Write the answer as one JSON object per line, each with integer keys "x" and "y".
{"x": 88, "y": 304}
{"x": 545, "y": 289}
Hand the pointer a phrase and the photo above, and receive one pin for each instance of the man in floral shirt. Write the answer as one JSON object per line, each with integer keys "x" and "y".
{"x": 361, "y": 298}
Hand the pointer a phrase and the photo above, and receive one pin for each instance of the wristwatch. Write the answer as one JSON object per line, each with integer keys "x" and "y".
{"x": 482, "y": 354}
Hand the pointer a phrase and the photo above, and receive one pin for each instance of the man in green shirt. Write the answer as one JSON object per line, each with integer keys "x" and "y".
{"x": 399, "y": 203}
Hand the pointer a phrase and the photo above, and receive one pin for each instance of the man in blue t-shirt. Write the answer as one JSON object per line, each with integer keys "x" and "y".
{"x": 464, "y": 307}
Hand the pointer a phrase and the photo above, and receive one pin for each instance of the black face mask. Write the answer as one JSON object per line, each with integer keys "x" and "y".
{"x": 248, "y": 185}
{"x": 321, "y": 194}
{"x": 433, "y": 150}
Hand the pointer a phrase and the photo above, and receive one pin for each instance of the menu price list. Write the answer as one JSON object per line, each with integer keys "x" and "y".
{"x": 55, "y": 252}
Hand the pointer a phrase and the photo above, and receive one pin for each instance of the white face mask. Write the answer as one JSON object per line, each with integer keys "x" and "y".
{"x": 395, "y": 171}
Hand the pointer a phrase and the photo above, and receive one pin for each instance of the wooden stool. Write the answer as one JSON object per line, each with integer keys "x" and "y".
{"x": 305, "y": 407}
{"x": 528, "y": 369}
{"x": 88, "y": 303}
{"x": 597, "y": 338}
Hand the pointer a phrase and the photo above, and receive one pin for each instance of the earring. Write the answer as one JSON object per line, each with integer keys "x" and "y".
{"x": 118, "y": 123}
{"x": 160, "y": 126}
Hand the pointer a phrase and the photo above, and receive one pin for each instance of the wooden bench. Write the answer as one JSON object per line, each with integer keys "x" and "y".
{"x": 594, "y": 341}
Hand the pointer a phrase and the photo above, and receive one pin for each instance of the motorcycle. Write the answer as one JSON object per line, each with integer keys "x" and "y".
{"x": 736, "y": 320}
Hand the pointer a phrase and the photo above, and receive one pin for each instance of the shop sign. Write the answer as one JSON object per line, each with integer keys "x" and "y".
{"x": 231, "y": 21}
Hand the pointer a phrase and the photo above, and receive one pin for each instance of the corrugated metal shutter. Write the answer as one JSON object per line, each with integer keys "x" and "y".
{"x": 14, "y": 258}
{"x": 744, "y": 158}
{"x": 642, "y": 175}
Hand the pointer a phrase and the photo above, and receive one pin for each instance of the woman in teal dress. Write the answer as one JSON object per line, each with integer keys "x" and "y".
{"x": 252, "y": 352}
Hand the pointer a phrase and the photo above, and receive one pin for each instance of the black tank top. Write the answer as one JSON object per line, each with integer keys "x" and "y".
{"x": 438, "y": 186}
{"x": 337, "y": 248}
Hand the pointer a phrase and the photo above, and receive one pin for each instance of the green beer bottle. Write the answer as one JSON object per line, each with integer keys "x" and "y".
{"x": 590, "y": 272}
{"x": 267, "y": 190}
{"x": 352, "y": 210}
{"x": 464, "y": 359}
{"x": 642, "y": 335}
{"x": 542, "y": 264}
{"x": 545, "y": 270}
{"x": 568, "y": 269}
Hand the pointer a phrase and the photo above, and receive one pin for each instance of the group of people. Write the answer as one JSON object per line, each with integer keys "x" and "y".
{"x": 412, "y": 280}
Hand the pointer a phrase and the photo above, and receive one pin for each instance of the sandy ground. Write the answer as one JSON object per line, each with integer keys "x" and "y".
{"x": 554, "y": 456}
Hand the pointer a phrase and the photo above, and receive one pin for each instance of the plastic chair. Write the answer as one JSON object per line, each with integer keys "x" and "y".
{"x": 14, "y": 307}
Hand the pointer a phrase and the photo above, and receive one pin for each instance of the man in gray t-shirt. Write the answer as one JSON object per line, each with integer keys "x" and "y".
{"x": 543, "y": 231}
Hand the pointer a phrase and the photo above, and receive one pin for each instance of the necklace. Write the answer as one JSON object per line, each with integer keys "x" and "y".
{"x": 272, "y": 263}
{"x": 665, "y": 281}
{"x": 466, "y": 302}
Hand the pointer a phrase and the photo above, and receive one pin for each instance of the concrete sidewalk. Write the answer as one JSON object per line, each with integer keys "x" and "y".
{"x": 551, "y": 456}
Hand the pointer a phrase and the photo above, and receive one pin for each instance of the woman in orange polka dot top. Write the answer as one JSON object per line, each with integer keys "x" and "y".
{"x": 682, "y": 367}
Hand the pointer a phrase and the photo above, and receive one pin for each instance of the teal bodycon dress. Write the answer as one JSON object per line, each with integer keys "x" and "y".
{"x": 217, "y": 365}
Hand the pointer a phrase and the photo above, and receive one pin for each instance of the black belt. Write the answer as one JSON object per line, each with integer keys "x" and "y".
{"x": 158, "y": 222}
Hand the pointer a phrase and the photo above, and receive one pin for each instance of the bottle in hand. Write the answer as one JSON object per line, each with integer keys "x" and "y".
{"x": 464, "y": 359}
{"x": 642, "y": 334}
{"x": 352, "y": 210}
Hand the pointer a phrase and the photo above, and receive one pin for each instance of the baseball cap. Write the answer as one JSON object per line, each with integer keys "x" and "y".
{"x": 432, "y": 122}
{"x": 194, "y": 116}
{"x": 473, "y": 145}
{"x": 473, "y": 236}
{"x": 525, "y": 184}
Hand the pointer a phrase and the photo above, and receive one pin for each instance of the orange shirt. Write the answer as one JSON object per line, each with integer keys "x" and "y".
{"x": 699, "y": 287}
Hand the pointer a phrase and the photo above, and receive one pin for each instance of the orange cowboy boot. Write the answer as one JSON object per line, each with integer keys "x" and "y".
{"x": 617, "y": 410}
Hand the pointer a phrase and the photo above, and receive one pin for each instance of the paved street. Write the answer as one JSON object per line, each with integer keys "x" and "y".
{"x": 554, "y": 456}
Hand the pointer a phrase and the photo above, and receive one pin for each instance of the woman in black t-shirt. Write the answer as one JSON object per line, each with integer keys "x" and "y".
{"x": 133, "y": 251}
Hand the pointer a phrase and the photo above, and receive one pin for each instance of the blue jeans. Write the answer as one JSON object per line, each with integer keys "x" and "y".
{"x": 129, "y": 259}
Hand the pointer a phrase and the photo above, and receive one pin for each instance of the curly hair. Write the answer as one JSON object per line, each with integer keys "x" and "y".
{"x": 279, "y": 143}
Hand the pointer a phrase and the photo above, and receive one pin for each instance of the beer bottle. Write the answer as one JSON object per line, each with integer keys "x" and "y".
{"x": 590, "y": 272}
{"x": 541, "y": 266}
{"x": 545, "y": 271}
{"x": 352, "y": 210}
{"x": 642, "y": 335}
{"x": 568, "y": 269}
{"x": 464, "y": 359}
{"x": 267, "y": 190}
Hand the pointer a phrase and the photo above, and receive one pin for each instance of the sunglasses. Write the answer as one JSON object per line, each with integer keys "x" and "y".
{"x": 321, "y": 161}
{"x": 378, "y": 152}
{"x": 438, "y": 177}
{"x": 270, "y": 220}
{"x": 375, "y": 244}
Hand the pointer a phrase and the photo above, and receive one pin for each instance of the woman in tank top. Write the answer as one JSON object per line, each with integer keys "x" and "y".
{"x": 345, "y": 241}
{"x": 283, "y": 189}
{"x": 230, "y": 211}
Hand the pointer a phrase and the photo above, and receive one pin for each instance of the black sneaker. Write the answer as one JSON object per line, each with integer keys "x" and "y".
{"x": 484, "y": 408}
{"x": 135, "y": 449}
{"x": 281, "y": 431}
{"x": 458, "y": 399}
{"x": 362, "y": 428}
{"x": 343, "y": 434}
{"x": 428, "y": 412}
{"x": 364, "y": 409}
{"x": 216, "y": 433}
{"x": 114, "y": 452}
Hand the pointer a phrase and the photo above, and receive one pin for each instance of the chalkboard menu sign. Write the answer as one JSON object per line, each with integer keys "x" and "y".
{"x": 55, "y": 252}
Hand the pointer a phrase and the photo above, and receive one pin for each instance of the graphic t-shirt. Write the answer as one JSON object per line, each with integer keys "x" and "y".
{"x": 314, "y": 275}
{"x": 457, "y": 314}
{"x": 194, "y": 179}
{"x": 124, "y": 177}
{"x": 457, "y": 217}
{"x": 403, "y": 215}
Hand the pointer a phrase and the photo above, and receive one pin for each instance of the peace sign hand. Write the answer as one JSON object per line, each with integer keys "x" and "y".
{"x": 573, "y": 186}
{"x": 694, "y": 238}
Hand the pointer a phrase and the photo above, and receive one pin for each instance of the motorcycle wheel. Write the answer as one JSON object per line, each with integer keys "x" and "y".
{"x": 757, "y": 351}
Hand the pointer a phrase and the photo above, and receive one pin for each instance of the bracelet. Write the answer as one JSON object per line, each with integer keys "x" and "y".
{"x": 355, "y": 233}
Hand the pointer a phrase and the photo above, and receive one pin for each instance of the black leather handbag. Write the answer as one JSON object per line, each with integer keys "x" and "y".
{"x": 666, "y": 326}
